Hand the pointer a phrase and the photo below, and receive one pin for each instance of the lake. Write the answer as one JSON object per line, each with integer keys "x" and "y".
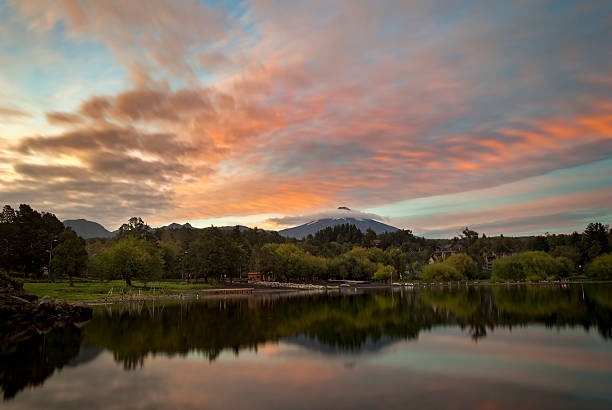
{"x": 540, "y": 346}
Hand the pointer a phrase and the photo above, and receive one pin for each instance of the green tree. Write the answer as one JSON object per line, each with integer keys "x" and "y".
{"x": 600, "y": 268}
{"x": 464, "y": 264}
{"x": 397, "y": 259}
{"x": 383, "y": 272}
{"x": 70, "y": 256}
{"x": 266, "y": 261}
{"x": 129, "y": 259}
{"x": 215, "y": 254}
{"x": 369, "y": 237}
{"x": 531, "y": 265}
{"x": 32, "y": 237}
{"x": 9, "y": 256}
{"x": 564, "y": 267}
{"x": 440, "y": 272}
{"x": 468, "y": 238}
{"x": 135, "y": 227}
{"x": 595, "y": 240}
{"x": 539, "y": 243}
{"x": 357, "y": 263}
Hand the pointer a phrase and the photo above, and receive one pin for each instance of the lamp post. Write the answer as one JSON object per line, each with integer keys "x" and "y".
{"x": 50, "y": 255}
{"x": 183, "y": 265}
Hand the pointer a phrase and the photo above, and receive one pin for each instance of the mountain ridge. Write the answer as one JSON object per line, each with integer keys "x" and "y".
{"x": 312, "y": 227}
{"x": 88, "y": 229}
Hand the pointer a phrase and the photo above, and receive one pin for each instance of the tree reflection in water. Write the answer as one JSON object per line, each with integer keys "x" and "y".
{"x": 331, "y": 323}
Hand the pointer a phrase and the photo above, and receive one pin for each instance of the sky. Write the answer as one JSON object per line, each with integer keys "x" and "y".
{"x": 431, "y": 115}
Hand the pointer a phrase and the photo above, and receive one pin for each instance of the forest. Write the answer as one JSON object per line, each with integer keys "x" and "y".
{"x": 36, "y": 245}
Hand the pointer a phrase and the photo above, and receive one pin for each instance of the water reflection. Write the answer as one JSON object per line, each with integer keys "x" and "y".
{"x": 31, "y": 362}
{"x": 328, "y": 324}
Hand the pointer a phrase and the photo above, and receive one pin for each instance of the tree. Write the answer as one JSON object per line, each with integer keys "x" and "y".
{"x": 383, "y": 272}
{"x": 215, "y": 254}
{"x": 567, "y": 251}
{"x": 357, "y": 263}
{"x": 539, "y": 243}
{"x": 468, "y": 238}
{"x": 441, "y": 272}
{"x": 531, "y": 265}
{"x": 8, "y": 238}
{"x": 600, "y": 268}
{"x": 70, "y": 256}
{"x": 33, "y": 235}
{"x": 129, "y": 259}
{"x": 464, "y": 264}
{"x": 397, "y": 259}
{"x": 172, "y": 262}
{"x": 595, "y": 240}
{"x": 266, "y": 261}
{"x": 135, "y": 227}
{"x": 369, "y": 237}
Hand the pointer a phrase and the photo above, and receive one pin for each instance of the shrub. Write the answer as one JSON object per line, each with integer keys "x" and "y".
{"x": 464, "y": 264}
{"x": 564, "y": 266}
{"x": 532, "y": 265}
{"x": 600, "y": 268}
{"x": 441, "y": 272}
{"x": 383, "y": 272}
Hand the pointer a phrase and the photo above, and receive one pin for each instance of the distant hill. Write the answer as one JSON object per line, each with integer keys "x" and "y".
{"x": 310, "y": 228}
{"x": 241, "y": 227}
{"x": 88, "y": 229}
{"x": 174, "y": 225}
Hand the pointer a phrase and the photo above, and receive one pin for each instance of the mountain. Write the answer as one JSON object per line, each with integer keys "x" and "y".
{"x": 241, "y": 227}
{"x": 345, "y": 216}
{"x": 174, "y": 225}
{"x": 88, "y": 229}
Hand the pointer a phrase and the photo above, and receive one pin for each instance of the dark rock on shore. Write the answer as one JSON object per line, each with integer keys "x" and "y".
{"x": 22, "y": 314}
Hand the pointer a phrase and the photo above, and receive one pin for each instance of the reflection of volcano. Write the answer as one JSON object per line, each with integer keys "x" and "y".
{"x": 368, "y": 346}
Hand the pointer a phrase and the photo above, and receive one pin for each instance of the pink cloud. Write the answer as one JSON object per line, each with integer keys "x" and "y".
{"x": 319, "y": 104}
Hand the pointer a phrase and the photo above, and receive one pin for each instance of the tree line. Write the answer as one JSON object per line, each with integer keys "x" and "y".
{"x": 37, "y": 244}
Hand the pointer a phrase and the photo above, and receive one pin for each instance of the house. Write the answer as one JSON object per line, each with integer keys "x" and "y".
{"x": 488, "y": 259}
{"x": 259, "y": 277}
{"x": 255, "y": 276}
{"x": 442, "y": 252}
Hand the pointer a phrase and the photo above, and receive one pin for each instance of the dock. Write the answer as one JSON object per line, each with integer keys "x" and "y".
{"x": 226, "y": 291}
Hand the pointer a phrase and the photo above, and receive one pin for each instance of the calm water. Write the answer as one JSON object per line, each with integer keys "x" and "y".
{"x": 501, "y": 347}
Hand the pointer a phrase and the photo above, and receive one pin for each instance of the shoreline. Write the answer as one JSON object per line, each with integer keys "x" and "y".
{"x": 306, "y": 289}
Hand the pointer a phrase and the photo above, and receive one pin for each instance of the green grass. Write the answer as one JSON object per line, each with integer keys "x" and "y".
{"x": 97, "y": 291}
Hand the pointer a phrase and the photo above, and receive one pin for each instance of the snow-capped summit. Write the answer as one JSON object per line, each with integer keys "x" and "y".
{"x": 341, "y": 215}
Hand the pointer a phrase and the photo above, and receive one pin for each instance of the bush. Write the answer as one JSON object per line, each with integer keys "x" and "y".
{"x": 532, "y": 265}
{"x": 464, "y": 264}
{"x": 383, "y": 272}
{"x": 600, "y": 268}
{"x": 440, "y": 272}
{"x": 565, "y": 267}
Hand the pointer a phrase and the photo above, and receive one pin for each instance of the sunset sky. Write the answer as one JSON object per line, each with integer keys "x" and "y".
{"x": 432, "y": 115}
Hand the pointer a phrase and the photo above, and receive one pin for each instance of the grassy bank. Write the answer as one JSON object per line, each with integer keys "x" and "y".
{"x": 112, "y": 290}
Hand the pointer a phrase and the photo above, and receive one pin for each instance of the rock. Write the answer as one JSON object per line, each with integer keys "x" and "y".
{"x": 47, "y": 301}
{"x": 10, "y": 287}
{"x": 21, "y": 315}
